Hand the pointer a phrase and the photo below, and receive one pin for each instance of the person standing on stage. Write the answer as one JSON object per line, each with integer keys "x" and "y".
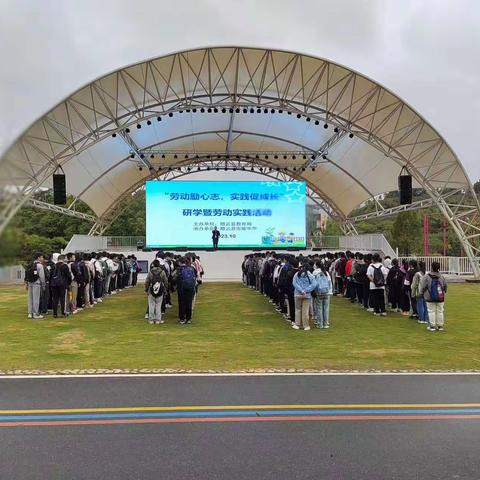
{"x": 215, "y": 237}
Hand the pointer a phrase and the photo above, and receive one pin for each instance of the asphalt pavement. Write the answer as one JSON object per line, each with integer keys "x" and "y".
{"x": 241, "y": 427}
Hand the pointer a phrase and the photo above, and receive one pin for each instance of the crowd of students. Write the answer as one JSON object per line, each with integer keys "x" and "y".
{"x": 169, "y": 273}
{"x": 73, "y": 282}
{"x": 301, "y": 286}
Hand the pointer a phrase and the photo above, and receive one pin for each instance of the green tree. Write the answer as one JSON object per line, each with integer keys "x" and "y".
{"x": 405, "y": 233}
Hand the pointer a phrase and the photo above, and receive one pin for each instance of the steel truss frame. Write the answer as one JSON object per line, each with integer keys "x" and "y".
{"x": 239, "y": 79}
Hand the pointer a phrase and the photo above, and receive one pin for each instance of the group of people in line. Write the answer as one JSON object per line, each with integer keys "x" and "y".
{"x": 169, "y": 272}
{"x": 301, "y": 286}
{"x": 76, "y": 281}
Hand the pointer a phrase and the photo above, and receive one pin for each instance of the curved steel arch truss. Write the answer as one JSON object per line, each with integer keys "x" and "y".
{"x": 235, "y": 78}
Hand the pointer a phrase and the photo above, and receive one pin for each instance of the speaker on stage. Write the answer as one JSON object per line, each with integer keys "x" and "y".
{"x": 405, "y": 188}
{"x": 59, "y": 189}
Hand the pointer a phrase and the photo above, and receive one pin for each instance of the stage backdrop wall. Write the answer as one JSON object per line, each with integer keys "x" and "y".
{"x": 248, "y": 214}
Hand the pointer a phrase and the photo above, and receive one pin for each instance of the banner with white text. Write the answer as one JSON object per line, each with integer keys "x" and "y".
{"x": 247, "y": 214}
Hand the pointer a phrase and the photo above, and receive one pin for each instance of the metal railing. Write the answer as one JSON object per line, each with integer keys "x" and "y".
{"x": 448, "y": 265}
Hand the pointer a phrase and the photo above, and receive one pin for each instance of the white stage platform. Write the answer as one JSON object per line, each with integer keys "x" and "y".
{"x": 220, "y": 266}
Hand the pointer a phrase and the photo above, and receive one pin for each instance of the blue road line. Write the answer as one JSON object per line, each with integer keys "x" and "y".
{"x": 246, "y": 413}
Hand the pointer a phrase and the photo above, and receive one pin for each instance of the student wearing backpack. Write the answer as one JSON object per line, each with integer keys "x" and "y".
{"x": 35, "y": 283}
{"x": 421, "y": 304}
{"x": 60, "y": 280}
{"x": 156, "y": 285}
{"x": 359, "y": 275}
{"x": 377, "y": 275}
{"x": 433, "y": 287}
{"x": 185, "y": 278}
{"x": 304, "y": 284}
{"x": 395, "y": 283}
{"x": 321, "y": 299}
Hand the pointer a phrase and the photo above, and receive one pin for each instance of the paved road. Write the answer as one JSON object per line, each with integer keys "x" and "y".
{"x": 263, "y": 427}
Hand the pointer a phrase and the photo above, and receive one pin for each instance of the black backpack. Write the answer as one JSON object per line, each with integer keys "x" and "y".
{"x": 31, "y": 273}
{"x": 378, "y": 278}
{"x": 157, "y": 287}
{"x": 56, "y": 277}
{"x": 361, "y": 273}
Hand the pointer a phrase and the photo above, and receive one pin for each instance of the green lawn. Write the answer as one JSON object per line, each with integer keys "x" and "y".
{"x": 235, "y": 329}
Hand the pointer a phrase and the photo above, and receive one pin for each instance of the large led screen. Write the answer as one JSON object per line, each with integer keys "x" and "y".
{"x": 247, "y": 214}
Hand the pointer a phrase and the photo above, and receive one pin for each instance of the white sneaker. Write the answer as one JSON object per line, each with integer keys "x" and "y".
{"x": 151, "y": 322}
{"x": 161, "y": 321}
{"x": 168, "y": 305}
{"x": 37, "y": 317}
{"x": 30, "y": 315}
{"x": 326, "y": 326}
{"x": 146, "y": 316}
{"x": 370, "y": 310}
{"x": 383, "y": 314}
{"x": 295, "y": 327}
{"x": 306, "y": 329}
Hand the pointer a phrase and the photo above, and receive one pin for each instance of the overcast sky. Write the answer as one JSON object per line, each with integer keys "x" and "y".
{"x": 427, "y": 52}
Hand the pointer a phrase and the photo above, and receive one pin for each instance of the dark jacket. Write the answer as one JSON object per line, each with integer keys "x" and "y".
{"x": 156, "y": 271}
{"x": 60, "y": 276}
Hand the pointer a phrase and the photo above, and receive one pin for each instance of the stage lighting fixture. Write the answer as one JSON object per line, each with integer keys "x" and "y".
{"x": 324, "y": 156}
{"x": 261, "y": 169}
{"x": 237, "y": 110}
{"x": 266, "y": 157}
{"x": 280, "y": 111}
{"x": 275, "y": 157}
{"x": 209, "y": 110}
{"x": 252, "y": 110}
{"x": 350, "y": 135}
{"x": 208, "y": 156}
{"x": 335, "y": 129}
{"x": 259, "y": 110}
{"x": 304, "y": 157}
{"x": 198, "y": 169}
{"x": 149, "y": 122}
{"x": 217, "y": 169}
{"x": 277, "y": 169}
{"x": 243, "y": 168}
{"x": 170, "y": 114}
{"x": 234, "y": 169}
{"x": 175, "y": 156}
{"x": 272, "y": 110}
{"x": 127, "y": 130}
{"x": 187, "y": 110}
{"x": 284, "y": 157}
{"x": 294, "y": 169}
{"x": 186, "y": 156}
{"x": 194, "y": 110}
{"x": 215, "y": 110}
{"x": 208, "y": 168}
{"x": 169, "y": 169}
{"x": 251, "y": 169}
{"x": 140, "y": 169}
{"x": 180, "y": 111}
{"x": 245, "y": 110}
{"x": 142, "y": 155}
{"x": 257, "y": 157}
{"x": 189, "y": 168}
{"x": 132, "y": 155}
{"x": 298, "y": 115}
{"x": 224, "y": 110}
{"x": 202, "y": 110}
{"x": 230, "y": 110}
{"x": 294, "y": 157}
{"x": 317, "y": 122}
{"x": 307, "y": 119}
{"x": 237, "y": 157}
{"x": 152, "y": 156}
{"x": 265, "y": 110}
{"x": 163, "y": 155}
{"x": 114, "y": 135}
{"x": 150, "y": 168}
{"x": 289, "y": 113}
{"x": 159, "y": 119}
{"x": 139, "y": 126}
{"x": 313, "y": 157}
{"x": 325, "y": 126}
{"x": 313, "y": 169}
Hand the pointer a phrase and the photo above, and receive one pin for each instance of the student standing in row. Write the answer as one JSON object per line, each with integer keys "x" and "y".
{"x": 433, "y": 287}
{"x": 377, "y": 275}
{"x": 156, "y": 285}
{"x": 35, "y": 283}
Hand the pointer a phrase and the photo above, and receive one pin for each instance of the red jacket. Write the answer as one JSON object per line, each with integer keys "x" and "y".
{"x": 348, "y": 267}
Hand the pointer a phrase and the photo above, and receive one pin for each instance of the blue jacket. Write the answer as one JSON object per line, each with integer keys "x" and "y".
{"x": 304, "y": 283}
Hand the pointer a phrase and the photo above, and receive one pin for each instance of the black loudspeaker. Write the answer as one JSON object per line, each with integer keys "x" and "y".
{"x": 59, "y": 189}
{"x": 405, "y": 189}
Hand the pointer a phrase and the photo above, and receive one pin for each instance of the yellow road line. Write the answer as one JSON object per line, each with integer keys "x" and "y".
{"x": 243, "y": 407}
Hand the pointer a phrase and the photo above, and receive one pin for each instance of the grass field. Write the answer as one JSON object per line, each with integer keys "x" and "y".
{"x": 235, "y": 329}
